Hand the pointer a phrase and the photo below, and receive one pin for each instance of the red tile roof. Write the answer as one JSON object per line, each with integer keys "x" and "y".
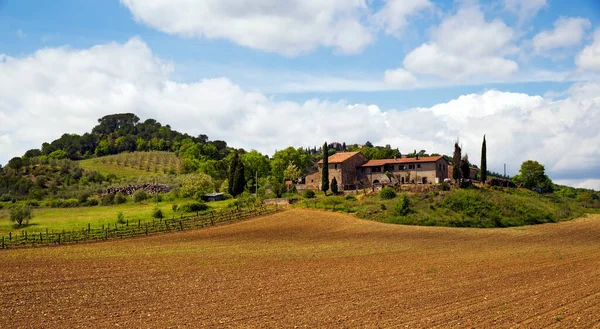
{"x": 340, "y": 157}
{"x": 381, "y": 162}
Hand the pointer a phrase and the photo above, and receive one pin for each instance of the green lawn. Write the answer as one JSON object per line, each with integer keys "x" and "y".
{"x": 58, "y": 219}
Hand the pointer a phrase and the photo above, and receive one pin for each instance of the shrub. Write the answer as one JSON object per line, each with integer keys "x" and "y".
{"x": 121, "y": 218}
{"x": 193, "y": 207}
{"x": 140, "y": 196}
{"x": 350, "y": 197}
{"x": 54, "y": 203}
{"x": 70, "y": 203}
{"x": 20, "y": 214}
{"x": 383, "y": 207}
{"x": 5, "y": 197}
{"x": 108, "y": 199}
{"x": 31, "y": 203}
{"x": 120, "y": 198}
{"x": 309, "y": 194}
{"x": 157, "y": 213}
{"x": 444, "y": 186}
{"x": 402, "y": 207}
{"x": 387, "y": 193}
{"x": 175, "y": 207}
{"x": 83, "y": 197}
{"x": 91, "y": 203}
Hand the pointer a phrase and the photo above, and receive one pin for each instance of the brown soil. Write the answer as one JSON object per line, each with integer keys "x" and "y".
{"x": 313, "y": 269}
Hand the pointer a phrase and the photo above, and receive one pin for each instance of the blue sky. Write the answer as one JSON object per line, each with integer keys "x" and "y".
{"x": 299, "y": 60}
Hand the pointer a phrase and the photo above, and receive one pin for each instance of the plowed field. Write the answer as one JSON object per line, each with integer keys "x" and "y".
{"x": 313, "y": 269}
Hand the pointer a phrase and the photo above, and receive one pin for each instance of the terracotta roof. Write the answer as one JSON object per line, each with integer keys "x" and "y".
{"x": 340, "y": 157}
{"x": 381, "y": 162}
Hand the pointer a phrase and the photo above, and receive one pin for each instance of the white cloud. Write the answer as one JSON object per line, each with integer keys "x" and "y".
{"x": 399, "y": 77}
{"x": 465, "y": 46}
{"x": 393, "y": 17}
{"x": 589, "y": 57}
{"x": 525, "y": 9}
{"x": 567, "y": 32}
{"x": 289, "y": 27}
{"x": 54, "y": 91}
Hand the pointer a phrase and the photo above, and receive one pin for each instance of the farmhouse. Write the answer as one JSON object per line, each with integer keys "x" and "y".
{"x": 353, "y": 170}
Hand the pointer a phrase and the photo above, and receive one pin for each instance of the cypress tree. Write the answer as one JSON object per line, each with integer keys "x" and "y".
{"x": 464, "y": 167}
{"x": 483, "y": 161}
{"x": 456, "y": 172}
{"x": 239, "y": 180}
{"x": 325, "y": 171}
{"x": 231, "y": 174}
{"x": 334, "y": 186}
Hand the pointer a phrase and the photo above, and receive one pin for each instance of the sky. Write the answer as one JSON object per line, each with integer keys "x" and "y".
{"x": 267, "y": 74}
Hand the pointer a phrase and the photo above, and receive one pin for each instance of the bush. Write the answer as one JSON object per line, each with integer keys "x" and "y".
{"x": 5, "y": 197}
{"x": 54, "y": 203}
{"x": 402, "y": 207}
{"x": 175, "y": 207}
{"x": 444, "y": 186}
{"x": 350, "y": 197}
{"x": 193, "y": 207}
{"x": 309, "y": 194}
{"x": 387, "y": 193}
{"x": 91, "y": 203}
{"x": 140, "y": 196}
{"x": 121, "y": 218}
{"x": 20, "y": 214}
{"x": 83, "y": 197}
{"x": 31, "y": 203}
{"x": 70, "y": 203}
{"x": 157, "y": 213}
{"x": 108, "y": 199}
{"x": 120, "y": 198}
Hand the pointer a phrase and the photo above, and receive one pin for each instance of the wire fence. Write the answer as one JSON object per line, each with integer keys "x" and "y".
{"x": 131, "y": 229}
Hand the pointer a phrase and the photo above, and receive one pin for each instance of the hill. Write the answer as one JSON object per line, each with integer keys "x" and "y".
{"x": 135, "y": 164}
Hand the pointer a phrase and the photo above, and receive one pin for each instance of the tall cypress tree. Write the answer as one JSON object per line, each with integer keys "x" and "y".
{"x": 456, "y": 158}
{"x": 325, "y": 171}
{"x": 231, "y": 174}
{"x": 239, "y": 179}
{"x": 464, "y": 167}
{"x": 483, "y": 161}
{"x": 334, "y": 186}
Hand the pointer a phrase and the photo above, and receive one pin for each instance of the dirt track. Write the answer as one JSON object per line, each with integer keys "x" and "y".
{"x": 313, "y": 269}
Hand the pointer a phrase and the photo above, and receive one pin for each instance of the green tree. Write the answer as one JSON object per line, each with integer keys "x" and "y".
{"x": 231, "y": 173}
{"x": 532, "y": 174}
{"x": 291, "y": 172}
{"x": 256, "y": 164}
{"x": 402, "y": 207}
{"x": 239, "y": 183}
{"x": 483, "y": 161}
{"x": 465, "y": 169}
{"x": 196, "y": 183}
{"x": 325, "y": 171}
{"x": 456, "y": 157}
{"x": 334, "y": 186}
{"x": 20, "y": 214}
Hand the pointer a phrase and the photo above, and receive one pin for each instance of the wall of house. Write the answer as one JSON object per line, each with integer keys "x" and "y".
{"x": 428, "y": 170}
{"x": 350, "y": 170}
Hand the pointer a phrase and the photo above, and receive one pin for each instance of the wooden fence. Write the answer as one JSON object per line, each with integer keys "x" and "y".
{"x": 129, "y": 229}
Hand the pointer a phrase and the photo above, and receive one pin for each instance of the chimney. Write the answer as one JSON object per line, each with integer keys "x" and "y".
{"x": 417, "y": 156}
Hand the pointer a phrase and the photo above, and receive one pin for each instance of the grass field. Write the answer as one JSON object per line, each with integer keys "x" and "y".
{"x": 310, "y": 268}
{"x": 58, "y": 219}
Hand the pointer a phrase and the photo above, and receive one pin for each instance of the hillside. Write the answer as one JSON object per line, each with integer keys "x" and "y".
{"x": 134, "y": 164}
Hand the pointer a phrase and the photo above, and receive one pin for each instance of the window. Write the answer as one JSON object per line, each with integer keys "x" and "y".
{"x": 411, "y": 166}
{"x": 419, "y": 165}
{"x": 401, "y": 167}
{"x": 376, "y": 169}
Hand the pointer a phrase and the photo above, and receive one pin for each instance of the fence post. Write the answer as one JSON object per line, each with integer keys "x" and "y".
{"x": 89, "y": 228}
{"x": 139, "y": 223}
{"x": 9, "y": 236}
{"x": 41, "y": 237}
{"x": 58, "y": 238}
{"x": 127, "y": 222}
{"x": 106, "y": 234}
{"x": 3, "y": 242}
{"x": 146, "y": 229}
{"x": 181, "y": 225}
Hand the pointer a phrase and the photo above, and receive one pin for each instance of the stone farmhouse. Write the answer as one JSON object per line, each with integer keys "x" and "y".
{"x": 353, "y": 170}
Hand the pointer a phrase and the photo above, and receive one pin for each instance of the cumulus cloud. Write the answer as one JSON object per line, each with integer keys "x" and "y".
{"x": 567, "y": 32}
{"x": 54, "y": 91}
{"x": 589, "y": 57}
{"x": 465, "y": 46}
{"x": 525, "y": 9}
{"x": 399, "y": 77}
{"x": 393, "y": 17}
{"x": 289, "y": 27}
